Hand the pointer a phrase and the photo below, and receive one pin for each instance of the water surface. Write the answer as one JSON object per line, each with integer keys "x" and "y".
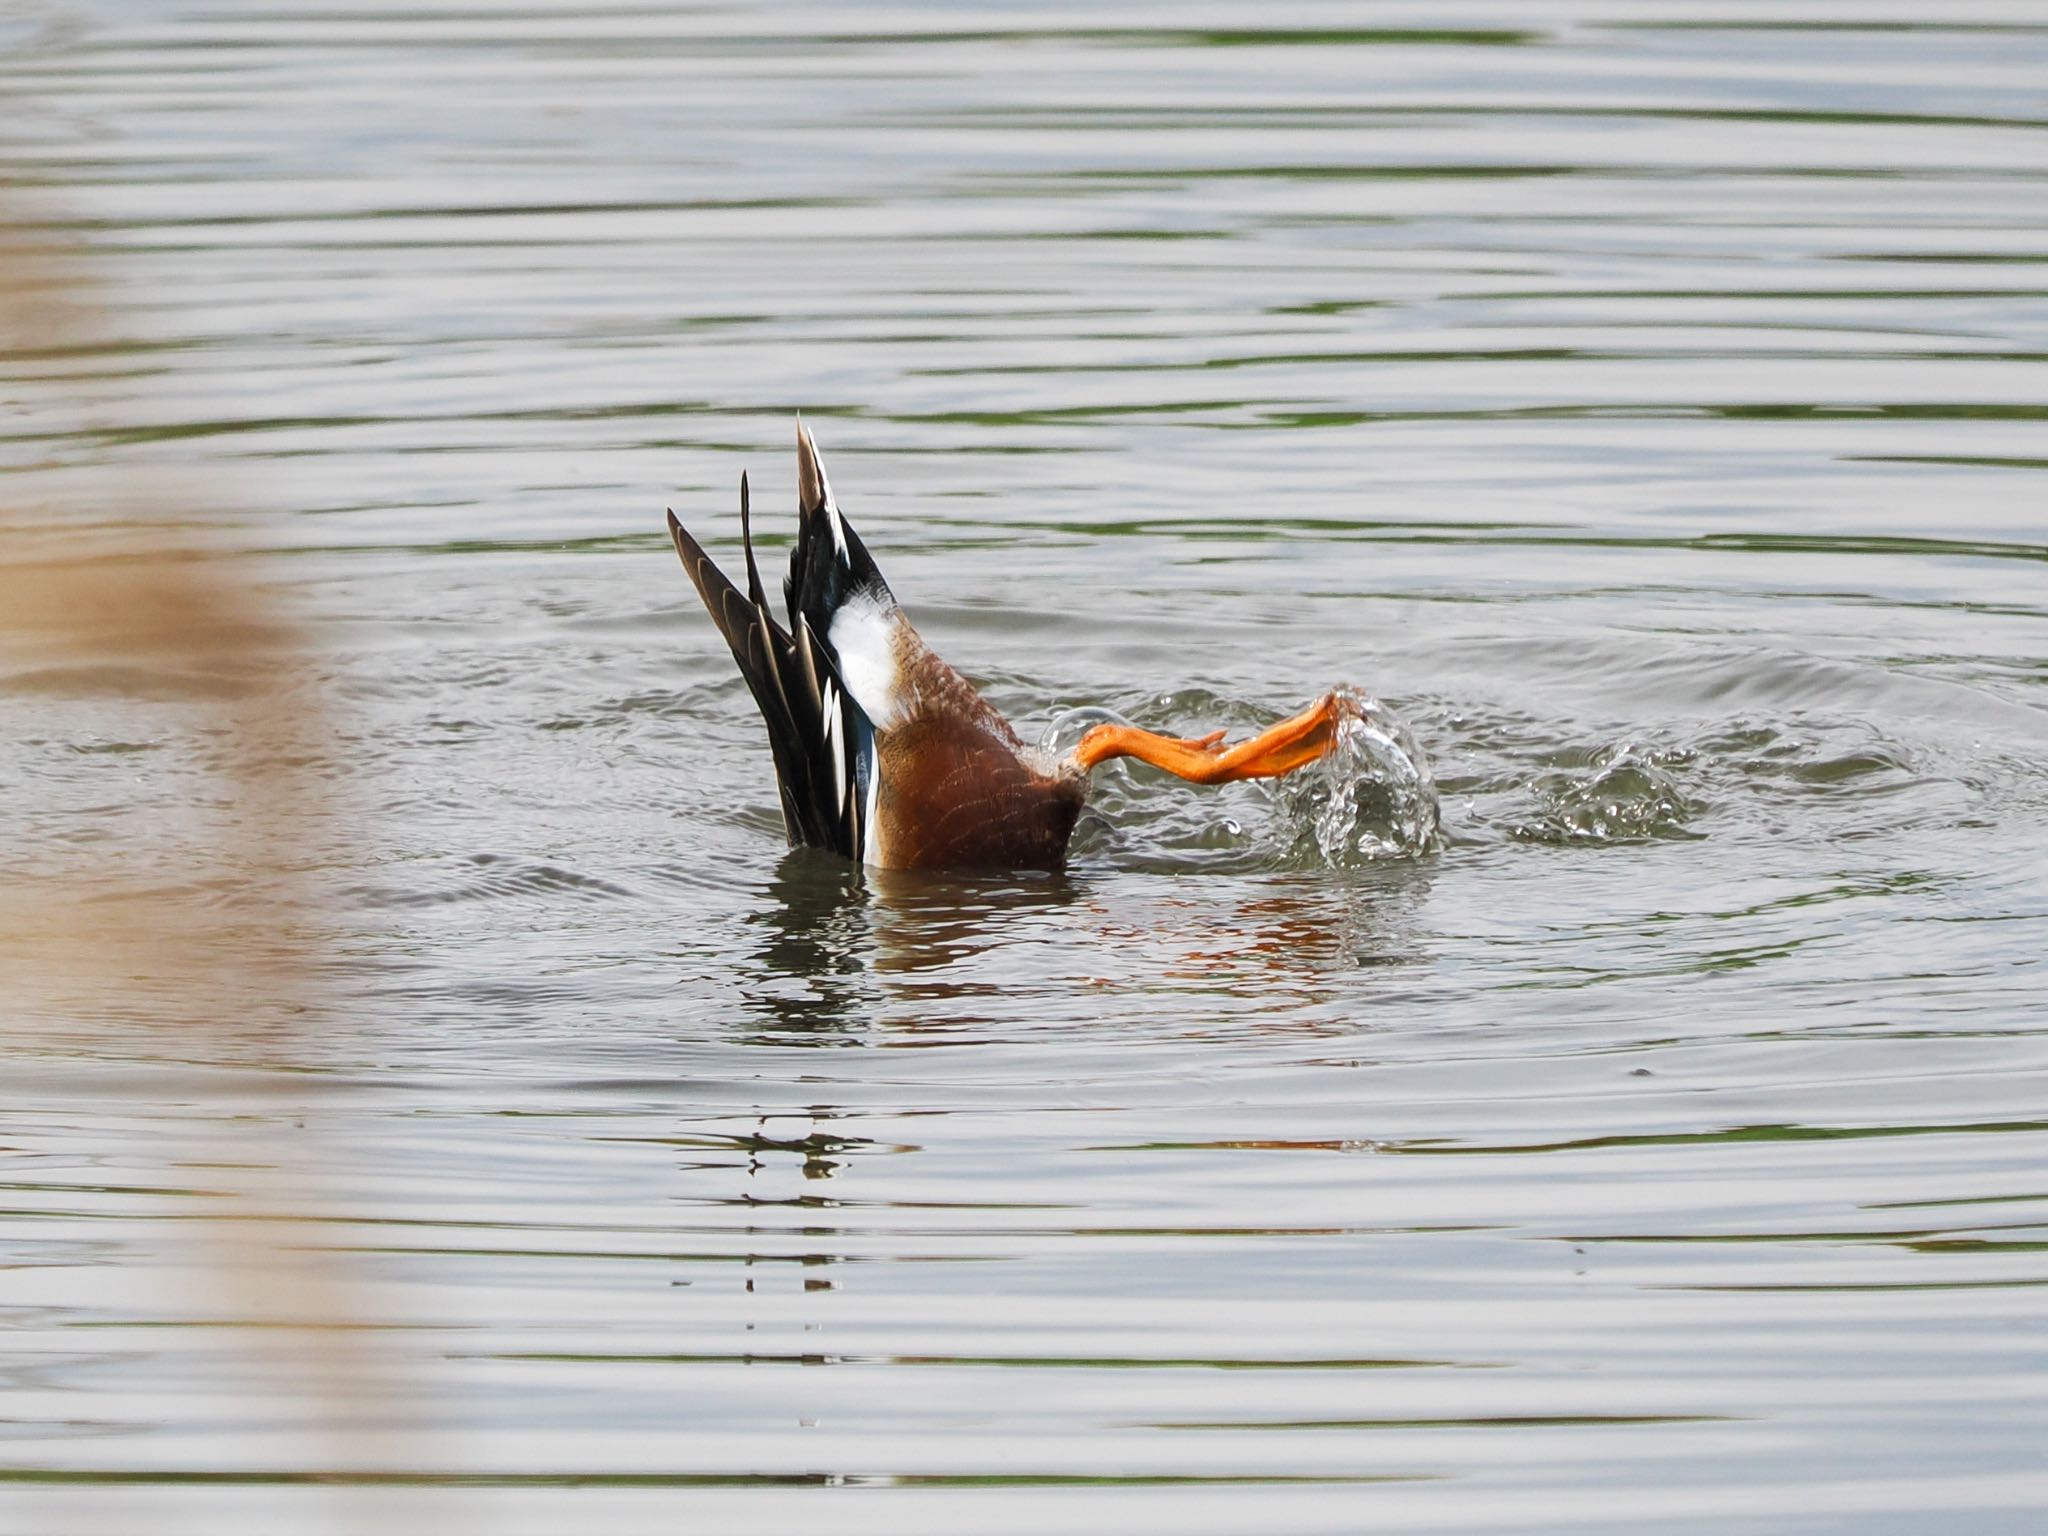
{"x": 1646, "y": 401}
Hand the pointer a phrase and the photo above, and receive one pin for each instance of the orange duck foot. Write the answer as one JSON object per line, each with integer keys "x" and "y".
{"x": 1293, "y": 743}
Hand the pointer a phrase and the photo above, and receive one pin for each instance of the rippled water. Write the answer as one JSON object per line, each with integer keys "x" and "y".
{"x": 1645, "y": 401}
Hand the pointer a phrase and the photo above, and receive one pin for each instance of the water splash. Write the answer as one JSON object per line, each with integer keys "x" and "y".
{"x": 1373, "y": 796}
{"x": 1631, "y": 795}
{"x": 1063, "y": 734}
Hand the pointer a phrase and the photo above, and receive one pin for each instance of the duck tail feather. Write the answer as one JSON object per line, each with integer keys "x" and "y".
{"x": 830, "y": 566}
{"x": 822, "y": 742}
{"x": 754, "y": 593}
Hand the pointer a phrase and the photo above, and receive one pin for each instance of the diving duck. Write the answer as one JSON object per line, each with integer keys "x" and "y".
{"x": 886, "y": 755}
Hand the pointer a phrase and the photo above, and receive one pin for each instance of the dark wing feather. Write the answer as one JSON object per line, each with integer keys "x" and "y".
{"x": 754, "y": 594}
{"x": 823, "y": 744}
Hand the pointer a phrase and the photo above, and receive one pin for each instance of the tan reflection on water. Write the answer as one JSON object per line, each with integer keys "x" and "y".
{"x": 197, "y": 942}
{"x": 1227, "y": 961}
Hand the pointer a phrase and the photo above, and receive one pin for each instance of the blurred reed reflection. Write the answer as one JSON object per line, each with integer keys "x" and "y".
{"x": 124, "y": 628}
{"x": 131, "y": 635}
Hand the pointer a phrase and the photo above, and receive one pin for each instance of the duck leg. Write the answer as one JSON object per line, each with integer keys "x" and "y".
{"x": 1293, "y": 743}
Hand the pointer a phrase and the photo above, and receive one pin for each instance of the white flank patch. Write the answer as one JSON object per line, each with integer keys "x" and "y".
{"x": 863, "y": 637}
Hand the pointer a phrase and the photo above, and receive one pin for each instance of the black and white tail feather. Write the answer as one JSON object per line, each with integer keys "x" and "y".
{"x": 823, "y": 741}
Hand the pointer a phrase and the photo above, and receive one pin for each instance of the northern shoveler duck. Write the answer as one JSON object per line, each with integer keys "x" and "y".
{"x": 888, "y": 756}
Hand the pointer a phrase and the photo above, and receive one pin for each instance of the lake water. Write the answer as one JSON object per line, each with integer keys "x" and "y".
{"x": 1646, "y": 401}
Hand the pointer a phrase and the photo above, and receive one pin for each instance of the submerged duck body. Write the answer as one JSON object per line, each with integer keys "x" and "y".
{"x": 883, "y": 752}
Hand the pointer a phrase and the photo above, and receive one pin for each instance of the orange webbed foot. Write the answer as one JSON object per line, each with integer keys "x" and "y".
{"x": 1293, "y": 743}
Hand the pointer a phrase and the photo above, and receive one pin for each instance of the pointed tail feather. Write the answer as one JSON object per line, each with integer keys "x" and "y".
{"x": 830, "y": 565}
{"x": 754, "y": 594}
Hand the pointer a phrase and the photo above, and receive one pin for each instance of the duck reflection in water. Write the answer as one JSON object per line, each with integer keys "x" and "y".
{"x": 811, "y": 977}
{"x": 918, "y": 957}
{"x": 844, "y": 950}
